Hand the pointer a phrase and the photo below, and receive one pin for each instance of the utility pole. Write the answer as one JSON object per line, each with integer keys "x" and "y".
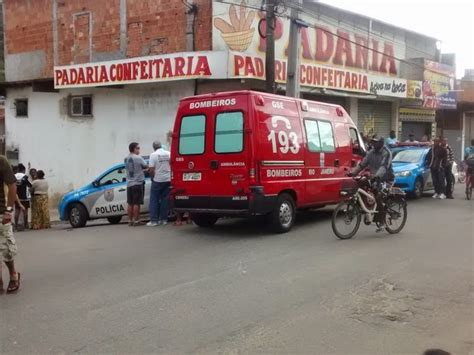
{"x": 270, "y": 47}
{"x": 293, "y": 76}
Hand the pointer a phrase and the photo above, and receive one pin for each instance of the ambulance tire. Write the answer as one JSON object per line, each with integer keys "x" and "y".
{"x": 77, "y": 215}
{"x": 282, "y": 218}
{"x": 204, "y": 220}
{"x": 114, "y": 219}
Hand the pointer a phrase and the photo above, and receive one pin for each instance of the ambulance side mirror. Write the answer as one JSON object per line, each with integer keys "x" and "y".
{"x": 357, "y": 150}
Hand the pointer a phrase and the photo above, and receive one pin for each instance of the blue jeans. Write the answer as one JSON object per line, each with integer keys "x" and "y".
{"x": 159, "y": 201}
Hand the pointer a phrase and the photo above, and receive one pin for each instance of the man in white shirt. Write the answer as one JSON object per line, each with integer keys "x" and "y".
{"x": 411, "y": 138}
{"x": 160, "y": 171}
{"x": 392, "y": 141}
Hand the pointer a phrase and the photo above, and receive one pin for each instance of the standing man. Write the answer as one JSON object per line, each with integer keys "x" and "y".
{"x": 160, "y": 171}
{"x": 8, "y": 248}
{"x": 135, "y": 165}
{"x": 439, "y": 157}
{"x": 392, "y": 141}
{"x": 23, "y": 203}
{"x": 470, "y": 149}
{"x": 411, "y": 138}
{"x": 448, "y": 170}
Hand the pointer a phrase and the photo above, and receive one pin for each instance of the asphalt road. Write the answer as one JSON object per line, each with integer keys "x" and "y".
{"x": 238, "y": 289}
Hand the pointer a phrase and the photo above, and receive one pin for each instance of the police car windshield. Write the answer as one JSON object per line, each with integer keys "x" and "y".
{"x": 408, "y": 156}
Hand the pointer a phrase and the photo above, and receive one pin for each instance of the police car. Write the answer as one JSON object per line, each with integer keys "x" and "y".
{"x": 411, "y": 166}
{"x": 105, "y": 197}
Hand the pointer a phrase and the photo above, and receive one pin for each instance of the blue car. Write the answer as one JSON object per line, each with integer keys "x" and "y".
{"x": 105, "y": 197}
{"x": 412, "y": 171}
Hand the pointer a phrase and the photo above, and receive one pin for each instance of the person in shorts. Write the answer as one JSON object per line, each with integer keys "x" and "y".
{"x": 135, "y": 166}
{"x": 8, "y": 248}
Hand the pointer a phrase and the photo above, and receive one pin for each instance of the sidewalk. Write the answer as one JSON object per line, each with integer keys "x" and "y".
{"x": 54, "y": 216}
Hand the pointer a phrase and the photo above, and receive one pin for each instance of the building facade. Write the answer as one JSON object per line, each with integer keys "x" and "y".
{"x": 85, "y": 78}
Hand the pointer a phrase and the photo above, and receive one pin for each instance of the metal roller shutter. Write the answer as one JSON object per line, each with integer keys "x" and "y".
{"x": 375, "y": 117}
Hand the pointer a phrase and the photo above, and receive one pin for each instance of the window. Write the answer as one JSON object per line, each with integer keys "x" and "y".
{"x": 114, "y": 177}
{"x": 312, "y": 132}
{"x": 326, "y": 136}
{"x": 21, "y": 107}
{"x": 80, "y": 106}
{"x": 320, "y": 136}
{"x": 229, "y": 136}
{"x": 354, "y": 136}
{"x": 192, "y": 135}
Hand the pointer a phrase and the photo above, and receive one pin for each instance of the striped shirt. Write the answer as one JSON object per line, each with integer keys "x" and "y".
{"x": 450, "y": 154}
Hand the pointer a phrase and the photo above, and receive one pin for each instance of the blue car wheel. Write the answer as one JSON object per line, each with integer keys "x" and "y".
{"x": 418, "y": 188}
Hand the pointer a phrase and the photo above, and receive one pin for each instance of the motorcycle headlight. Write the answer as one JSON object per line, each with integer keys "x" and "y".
{"x": 403, "y": 173}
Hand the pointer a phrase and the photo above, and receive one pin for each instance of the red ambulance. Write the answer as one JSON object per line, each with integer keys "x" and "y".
{"x": 247, "y": 153}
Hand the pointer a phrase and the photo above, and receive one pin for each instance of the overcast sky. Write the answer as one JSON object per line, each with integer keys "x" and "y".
{"x": 452, "y": 22}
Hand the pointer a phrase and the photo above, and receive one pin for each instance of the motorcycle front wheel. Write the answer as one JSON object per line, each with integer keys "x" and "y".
{"x": 346, "y": 219}
{"x": 396, "y": 216}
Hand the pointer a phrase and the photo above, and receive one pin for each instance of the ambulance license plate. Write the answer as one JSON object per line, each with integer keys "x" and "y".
{"x": 192, "y": 177}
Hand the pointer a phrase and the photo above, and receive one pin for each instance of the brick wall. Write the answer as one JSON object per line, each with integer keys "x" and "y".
{"x": 73, "y": 27}
{"x": 90, "y": 29}
{"x": 27, "y": 28}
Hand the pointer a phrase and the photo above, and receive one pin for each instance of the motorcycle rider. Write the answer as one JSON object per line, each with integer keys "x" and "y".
{"x": 379, "y": 161}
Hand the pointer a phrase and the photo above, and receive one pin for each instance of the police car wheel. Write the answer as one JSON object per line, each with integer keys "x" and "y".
{"x": 282, "y": 218}
{"x": 77, "y": 215}
{"x": 114, "y": 219}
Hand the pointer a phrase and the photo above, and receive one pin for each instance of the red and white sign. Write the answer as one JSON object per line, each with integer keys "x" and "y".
{"x": 221, "y": 65}
{"x": 311, "y": 75}
{"x": 169, "y": 67}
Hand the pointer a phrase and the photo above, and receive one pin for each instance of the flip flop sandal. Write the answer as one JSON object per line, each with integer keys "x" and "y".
{"x": 14, "y": 285}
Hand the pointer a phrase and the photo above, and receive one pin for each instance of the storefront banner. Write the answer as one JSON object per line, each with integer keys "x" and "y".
{"x": 169, "y": 67}
{"x": 220, "y": 65}
{"x": 238, "y": 25}
{"x": 384, "y": 86}
{"x": 438, "y": 86}
{"x": 311, "y": 75}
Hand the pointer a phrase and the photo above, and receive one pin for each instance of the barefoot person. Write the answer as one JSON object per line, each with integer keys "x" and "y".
{"x": 8, "y": 247}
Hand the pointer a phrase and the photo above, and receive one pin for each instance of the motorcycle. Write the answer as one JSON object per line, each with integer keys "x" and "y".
{"x": 359, "y": 200}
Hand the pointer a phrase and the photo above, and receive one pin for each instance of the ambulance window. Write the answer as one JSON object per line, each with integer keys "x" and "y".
{"x": 229, "y": 132}
{"x": 192, "y": 134}
{"x": 312, "y": 132}
{"x": 327, "y": 136}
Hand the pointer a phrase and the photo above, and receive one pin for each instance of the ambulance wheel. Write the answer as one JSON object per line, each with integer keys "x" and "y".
{"x": 282, "y": 218}
{"x": 77, "y": 215}
{"x": 114, "y": 219}
{"x": 204, "y": 220}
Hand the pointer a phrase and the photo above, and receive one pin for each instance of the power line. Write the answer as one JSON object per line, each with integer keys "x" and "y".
{"x": 332, "y": 22}
{"x": 344, "y": 38}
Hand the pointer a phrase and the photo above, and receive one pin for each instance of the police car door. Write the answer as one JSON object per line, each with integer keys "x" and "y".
{"x": 427, "y": 172}
{"x": 111, "y": 195}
